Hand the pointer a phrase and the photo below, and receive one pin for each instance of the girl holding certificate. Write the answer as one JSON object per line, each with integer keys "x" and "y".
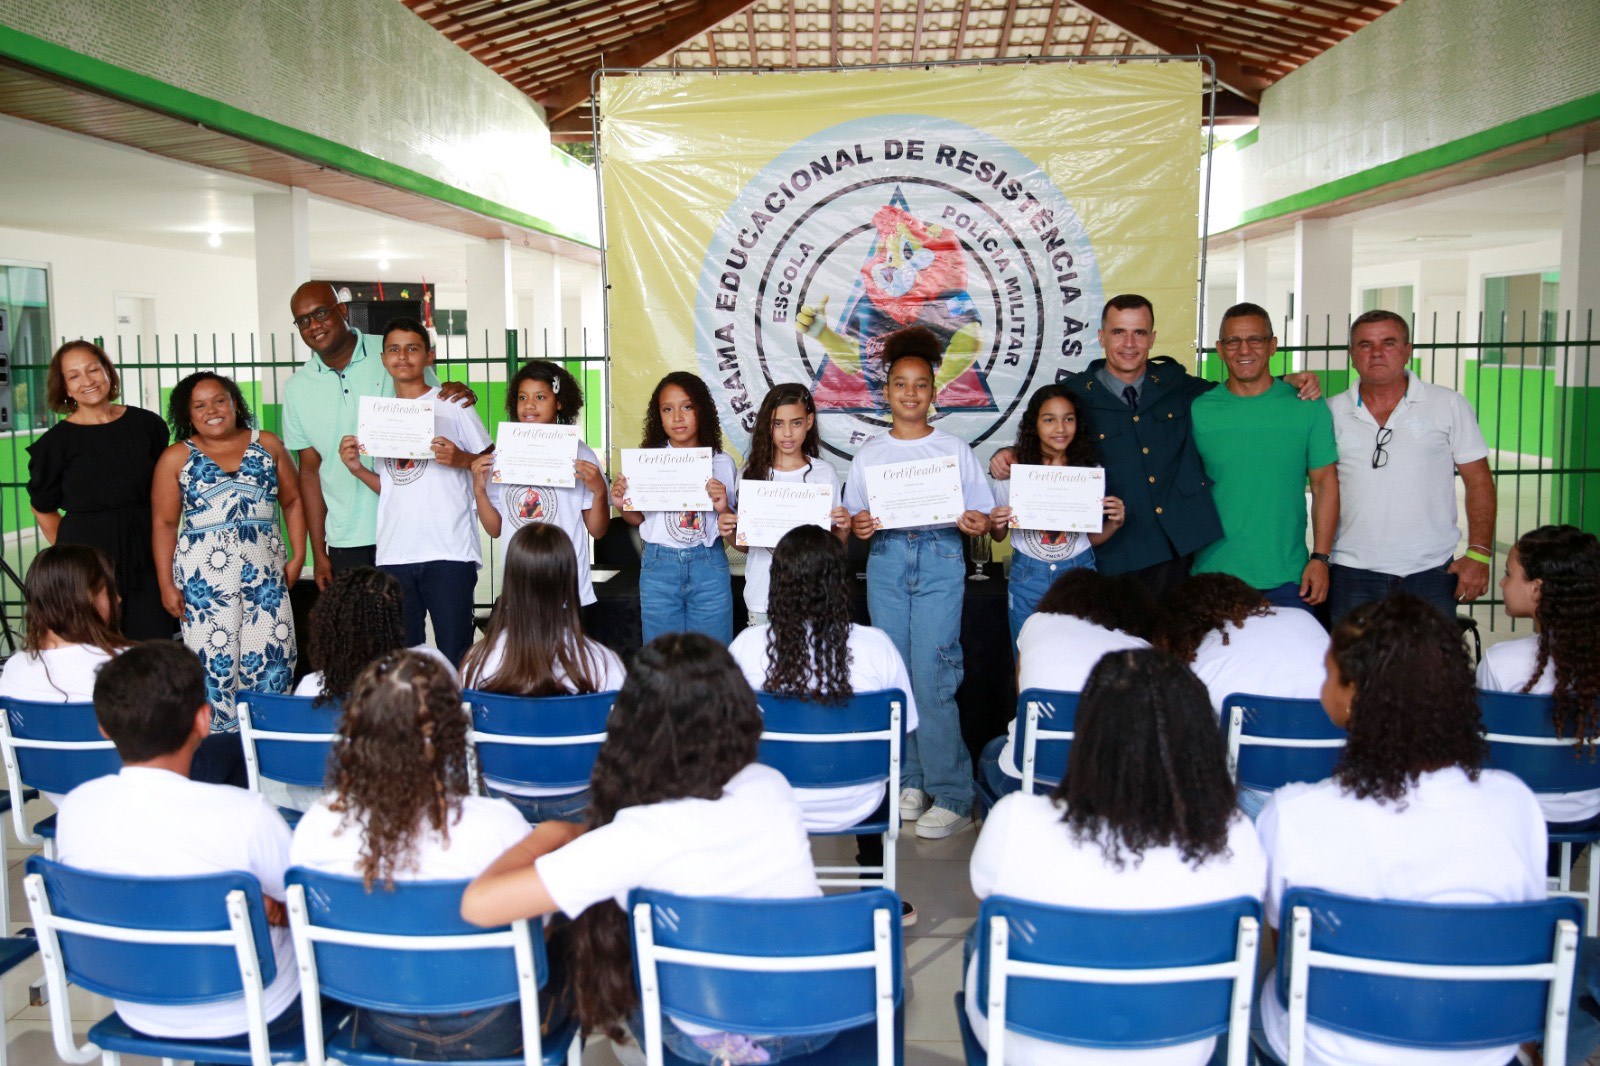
{"x": 789, "y": 450}
{"x": 916, "y": 579}
{"x": 683, "y": 577}
{"x": 544, "y": 393}
{"x": 1052, "y": 432}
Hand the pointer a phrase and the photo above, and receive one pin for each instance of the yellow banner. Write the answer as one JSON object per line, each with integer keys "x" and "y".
{"x": 770, "y": 228}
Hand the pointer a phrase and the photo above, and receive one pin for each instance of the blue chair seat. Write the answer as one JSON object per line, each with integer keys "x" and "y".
{"x": 354, "y": 1046}
{"x": 853, "y": 1047}
{"x": 111, "y": 1033}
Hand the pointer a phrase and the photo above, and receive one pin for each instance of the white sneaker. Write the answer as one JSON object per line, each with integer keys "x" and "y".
{"x": 938, "y": 823}
{"x": 913, "y": 803}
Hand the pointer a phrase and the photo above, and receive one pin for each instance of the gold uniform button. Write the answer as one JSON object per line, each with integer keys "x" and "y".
{"x": 1152, "y": 480}
{"x": 1102, "y": 436}
{"x": 1158, "y": 510}
{"x": 1136, "y": 418}
{"x": 1145, "y": 450}
{"x": 1169, "y": 414}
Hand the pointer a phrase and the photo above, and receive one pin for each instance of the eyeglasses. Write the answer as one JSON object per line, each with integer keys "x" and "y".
{"x": 1231, "y": 344}
{"x": 319, "y": 315}
{"x": 1379, "y": 456}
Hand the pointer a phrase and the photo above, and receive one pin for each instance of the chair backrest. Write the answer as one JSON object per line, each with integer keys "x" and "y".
{"x": 1117, "y": 979}
{"x": 1274, "y": 741}
{"x": 1522, "y": 740}
{"x": 1428, "y": 975}
{"x": 54, "y": 747}
{"x": 818, "y": 745}
{"x": 538, "y": 741}
{"x": 780, "y": 967}
{"x": 1046, "y": 723}
{"x": 287, "y": 738}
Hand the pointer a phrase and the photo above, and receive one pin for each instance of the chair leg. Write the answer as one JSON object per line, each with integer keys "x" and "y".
{"x": 1591, "y": 902}
{"x": 1565, "y": 873}
{"x": 574, "y": 1052}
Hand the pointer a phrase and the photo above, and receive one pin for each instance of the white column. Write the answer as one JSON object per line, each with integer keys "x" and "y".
{"x": 1322, "y": 275}
{"x": 539, "y": 306}
{"x": 1251, "y": 280}
{"x": 591, "y": 316}
{"x": 490, "y": 305}
{"x": 1580, "y": 266}
{"x": 283, "y": 263}
{"x": 1441, "y": 301}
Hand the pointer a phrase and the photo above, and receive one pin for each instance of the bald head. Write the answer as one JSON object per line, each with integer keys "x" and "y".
{"x": 323, "y": 322}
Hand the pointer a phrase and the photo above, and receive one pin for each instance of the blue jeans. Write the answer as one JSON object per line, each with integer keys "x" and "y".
{"x": 536, "y": 809}
{"x": 685, "y": 590}
{"x": 726, "y": 1048}
{"x": 1287, "y": 595}
{"x": 1349, "y": 588}
{"x": 916, "y": 580}
{"x": 489, "y": 1033}
{"x": 1030, "y": 579}
{"x": 441, "y": 590}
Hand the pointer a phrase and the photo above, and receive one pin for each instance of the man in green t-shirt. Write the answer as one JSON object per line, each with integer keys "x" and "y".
{"x": 1260, "y": 443}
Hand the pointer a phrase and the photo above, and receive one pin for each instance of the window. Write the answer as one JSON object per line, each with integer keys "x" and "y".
{"x": 1519, "y": 318}
{"x": 1396, "y": 298}
{"x": 25, "y": 301}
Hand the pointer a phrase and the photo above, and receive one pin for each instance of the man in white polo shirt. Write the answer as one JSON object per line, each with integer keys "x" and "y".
{"x": 1401, "y": 443}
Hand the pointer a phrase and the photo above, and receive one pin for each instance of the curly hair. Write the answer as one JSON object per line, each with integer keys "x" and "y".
{"x": 1203, "y": 604}
{"x": 912, "y": 342}
{"x": 1148, "y": 767}
{"x": 55, "y": 381}
{"x": 1119, "y": 602}
{"x": 684, "y": 723}
{"x": 568, "y": 394}
{"x": 59, "y": 595}
{"x": 1566, "y": 562}
{"x": 759, "y": 468}
{"x": 708, "y": 425}
{"x": 808, "y": 642}
{"x": 359, "y": 618}
{"x": 1081, "y": 450}
{"x": 1415, "y": 708}
{"x": 536, "y": 627}
{"x": 178, "y": 416}
{"x": 400, "y": 761}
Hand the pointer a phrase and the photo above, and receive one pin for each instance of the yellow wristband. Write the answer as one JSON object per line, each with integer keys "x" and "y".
{"x": 1478, "y": 556}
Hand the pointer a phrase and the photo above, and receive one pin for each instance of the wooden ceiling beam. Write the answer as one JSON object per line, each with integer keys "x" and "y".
{"x": 877, "y": 27}
{"x": 1089, "y": 35}
{"x": 750, "y": 32}
{"x": 916, "y": 32}
{"x": 574, "y": 38}
{"x": 836, "y": 13}
{"x": 1003, "y": 44}
{"x": 794, "y": 36}
{"x": 1276, "y": 16}
{"x": 1138, "y": 23}
{"x": 1230, "y": 23}
{"x": 961, "y": 29}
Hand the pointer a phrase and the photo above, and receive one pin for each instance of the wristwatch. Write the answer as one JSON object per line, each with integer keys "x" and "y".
{"x": 1321, "y": 557}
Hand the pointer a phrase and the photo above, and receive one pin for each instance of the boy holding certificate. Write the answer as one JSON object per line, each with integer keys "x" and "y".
{"x": 427, "y": 535}
{"x": 916, "y": 576}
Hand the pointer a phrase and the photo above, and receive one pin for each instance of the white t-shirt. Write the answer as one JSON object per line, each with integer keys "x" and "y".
{"x": 427, "y": 511}
{"x": 884, "y": 449}
{"x": 560, "y": 507}
{"x": 692, "y": 529}
{"x": 1506, "y": 667}
{"x": 1040, "y": 544}
{"x": 1451, "y": 840}
{"x": 311, "y": 684}
{"x": 479, "y": 835}
{"x": 874, "y": 664}
{"x": 54, "y": 675}
{"x": 1275, "y": 654}
{"x": 1026, "y": 851}
{"x": 1057, "y": 652}
{"x": 1401, "y": 517}
{"x": 153, "y": 823}
{"x": 610, "y": 674}
{"x": 758, "y": 561}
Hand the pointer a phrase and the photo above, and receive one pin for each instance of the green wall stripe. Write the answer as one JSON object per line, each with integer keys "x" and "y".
{"x": 1530, "y": 127}
{"x": 1246, "y": 140}
{"x": 135, "y": 88}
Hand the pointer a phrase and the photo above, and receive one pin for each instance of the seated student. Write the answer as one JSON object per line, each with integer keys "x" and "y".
{"x": 151, "y": 820}
{"x": 1408, "y": 814}
{"x": 1553, "y": 577}
{"x": 357, "y": 620}
{"x": 678, "y": 804}
{"x": 1086, "y": 614}
{"x": 813, "y": 651}
{"x": 1144, "y": 820}
{"x": 535, "y": 646}
{"x": 401, "y": 809}
{"x": 71, "y": 607}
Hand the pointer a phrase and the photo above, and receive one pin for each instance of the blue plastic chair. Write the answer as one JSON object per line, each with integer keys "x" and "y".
{"x": 1274, "y": 741}
{"x": 14, "y": 950}
{"x": 1119, "y": 980}
{"x": 816, "y": 745}
{"x": 538, "y": 742}
{"x": 1440, "y": 976}
{"x": 51, "y": 747}
{"x": 1045, "y": 725}
{"x": 779, "y": 967}
{"x": 177, "y": 941}
{"x": 1522, "y": 741}
{"x": 408, "y": 951}
{"x": 287, "y": 739}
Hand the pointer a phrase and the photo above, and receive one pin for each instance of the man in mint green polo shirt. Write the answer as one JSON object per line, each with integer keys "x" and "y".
{"x": 321, "y": 405}
{"x": 1260, "y": 443}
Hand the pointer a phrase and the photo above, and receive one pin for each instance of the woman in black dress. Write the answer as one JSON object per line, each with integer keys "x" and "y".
{"x": 96, "y": 465}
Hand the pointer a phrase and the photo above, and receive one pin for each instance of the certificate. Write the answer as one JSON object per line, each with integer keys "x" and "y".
{"x": 395, "y": 429}
{"x": 666, "y": 479}
{"x": 923, "y": 492}
{"x": 526, "y": 453}
{"x": 769, "y": 509}
{"x": 1059, "y": 499}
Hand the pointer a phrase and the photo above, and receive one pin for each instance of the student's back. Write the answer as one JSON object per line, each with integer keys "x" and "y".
{"x": 1278, "y": 653}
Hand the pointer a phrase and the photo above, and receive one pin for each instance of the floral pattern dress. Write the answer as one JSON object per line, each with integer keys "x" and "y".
{"x": 229, "y": 565}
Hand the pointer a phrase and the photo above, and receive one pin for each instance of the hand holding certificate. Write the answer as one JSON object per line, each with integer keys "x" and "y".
{"x": 1059, "y": 499}
{"x": 528, "y": 453}
{"x": 923, "y": 492}
{"x": 769, "y": 509}
{"x": 666, "y": 479}
{"x": 395, "y": 429}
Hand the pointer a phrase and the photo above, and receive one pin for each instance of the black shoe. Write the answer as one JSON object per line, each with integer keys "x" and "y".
{"x": 908, "y": 913}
